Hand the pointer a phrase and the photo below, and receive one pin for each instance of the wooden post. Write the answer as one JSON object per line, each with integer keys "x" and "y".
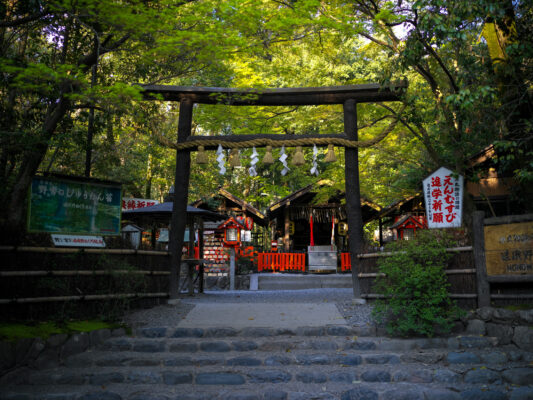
{"x": 190, "y": 254}
{"x": 380, "y": 232}
{"x": 232, "y": 268}
{"x": 483, "y": 286}
{"x": 287, "y": 222}
{"x": 181, "y": 194}
{"x": 353, "y": 194}
{"x": 201, "y": 256}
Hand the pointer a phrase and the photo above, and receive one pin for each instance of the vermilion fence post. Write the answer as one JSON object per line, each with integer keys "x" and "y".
{"x": 346, "y": 262}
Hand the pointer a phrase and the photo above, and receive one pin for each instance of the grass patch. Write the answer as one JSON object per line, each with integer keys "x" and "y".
{"x": 14, "y": 331}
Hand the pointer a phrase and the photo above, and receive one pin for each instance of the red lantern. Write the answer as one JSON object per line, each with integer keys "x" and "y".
{"x": 232, "y": 232}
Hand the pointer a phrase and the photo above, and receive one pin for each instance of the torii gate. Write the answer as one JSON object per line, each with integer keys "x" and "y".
{"x": 348, "y": 96}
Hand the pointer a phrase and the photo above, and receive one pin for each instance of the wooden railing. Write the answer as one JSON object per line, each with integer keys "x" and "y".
{"x": 280, "y": 262}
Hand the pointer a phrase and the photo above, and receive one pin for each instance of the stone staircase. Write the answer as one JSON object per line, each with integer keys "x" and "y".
{"x": 328, "y": 362}
{"x": 268, "y": 281}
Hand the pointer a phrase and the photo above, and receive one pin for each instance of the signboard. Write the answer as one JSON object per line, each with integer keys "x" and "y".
{"x": 130, "y": 203}
{"x": 509, "y": 249}
{"x": 67, "y": 206}
{"x": 443, "y": 193}
{"x": 78, "y": 241}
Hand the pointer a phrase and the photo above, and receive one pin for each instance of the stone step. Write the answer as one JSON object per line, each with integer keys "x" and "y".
{"x": 261, "y": 363}
{"x": 223, "y": 344}
{"x": 519, "y": 375}
{"x": 218, "y": 332}
{"x": 473, "y": 359}
{"x": 263, "y": 384}
{"x": 302, "y": 281}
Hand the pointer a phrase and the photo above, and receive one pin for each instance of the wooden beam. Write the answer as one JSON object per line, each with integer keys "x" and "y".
{"x": 30, "y": 249}
{"x": 181, "y": 194}
{"x": 510, "y": 279}
{"x": 81, "y": 297}
{"x": 275, "y": 97}
{"x": 508, "y": 219}
{"x": 483, "y": 286}
{"x": 353, "y": 194}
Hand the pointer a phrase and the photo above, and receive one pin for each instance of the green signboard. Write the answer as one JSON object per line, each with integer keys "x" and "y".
{"x": 64, "y": 206}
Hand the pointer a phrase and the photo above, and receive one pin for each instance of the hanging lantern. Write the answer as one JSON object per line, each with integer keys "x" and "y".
{"x": 268, "y": 159}
{"x": 201, "y": 157}
{"x": 330, "y": 156}
{"x": 342, "y": 228}
{"x": 232, "y": 232}
{"x": 298, "y": 158}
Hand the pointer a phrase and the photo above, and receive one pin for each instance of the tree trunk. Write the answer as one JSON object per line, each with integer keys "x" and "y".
{"x": 15, "y": 212}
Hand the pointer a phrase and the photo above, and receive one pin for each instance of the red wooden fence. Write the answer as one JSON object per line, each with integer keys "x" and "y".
{"x": 280, "y": 262}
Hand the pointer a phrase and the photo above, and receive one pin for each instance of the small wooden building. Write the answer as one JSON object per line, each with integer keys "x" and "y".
{"x": 492, "y": 192}
{"x": 251, "y": 218}
{"x": 291, "y": 219}
{"x": 401, "y": 219}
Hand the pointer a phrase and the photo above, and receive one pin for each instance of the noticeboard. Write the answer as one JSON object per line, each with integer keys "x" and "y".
{"x": 509, "y": 249}
{"x": 68, "y": 206}
{"x": 443, "y": 195}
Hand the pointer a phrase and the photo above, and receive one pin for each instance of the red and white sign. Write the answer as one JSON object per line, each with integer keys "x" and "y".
{"x": 78, "y": 241}
{"x": 129, "y": 203}
{"x": 443, "y": 193}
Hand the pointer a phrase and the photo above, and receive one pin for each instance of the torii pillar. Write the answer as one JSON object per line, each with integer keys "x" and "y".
{"x": 353, "y": 194}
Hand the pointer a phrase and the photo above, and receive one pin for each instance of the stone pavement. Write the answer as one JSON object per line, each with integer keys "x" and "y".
{"x": 243, "y": 315}
{"x": 226, "y": 360}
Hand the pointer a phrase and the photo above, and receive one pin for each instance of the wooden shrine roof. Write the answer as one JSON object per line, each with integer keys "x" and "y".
{"x": 303, "y": 197}
{"x": 257, "y": 216}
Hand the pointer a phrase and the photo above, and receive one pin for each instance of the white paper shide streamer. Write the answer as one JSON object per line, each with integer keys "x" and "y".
{"x": 221, "y": 159}
{"x": 283, "y": 158}
{"x": 314, "y": 169}
{"x": 254, "y": 158}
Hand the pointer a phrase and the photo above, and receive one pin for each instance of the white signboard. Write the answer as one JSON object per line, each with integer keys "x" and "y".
{"x": 130, "y": 203}
{"x": 78, "y": 241}
{"x": 443, "y": 194}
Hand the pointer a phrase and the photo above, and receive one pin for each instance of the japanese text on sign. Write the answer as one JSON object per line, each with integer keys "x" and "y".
{"x": 74, "y": 207}
{"x": 443, "y": 193}
{"x": 509, "y": 248}
{"x": 133, "y": 204}
{"x": 78, "y": 241}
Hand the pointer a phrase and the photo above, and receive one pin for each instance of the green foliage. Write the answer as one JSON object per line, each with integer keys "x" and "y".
{"x": 416, "y": 299}
{"x": 455, "y": 104}
{"x": 14, "y": 331}
{"x": 245, "y": 265}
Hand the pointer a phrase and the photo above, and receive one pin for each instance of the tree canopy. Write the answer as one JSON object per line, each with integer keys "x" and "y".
{"x": 68, "y": 69}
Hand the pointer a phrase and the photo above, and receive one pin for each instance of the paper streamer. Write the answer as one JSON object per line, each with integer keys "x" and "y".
{"x": 314, "y": 169}
{"x": 221, "y": 159}
{"x": 254, "y": 158}
{"x": 283, "y": 158}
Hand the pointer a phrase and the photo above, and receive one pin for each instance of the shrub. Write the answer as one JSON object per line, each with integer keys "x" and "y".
{"x": 245, "y": 265}
{"x": 415, "y": 287}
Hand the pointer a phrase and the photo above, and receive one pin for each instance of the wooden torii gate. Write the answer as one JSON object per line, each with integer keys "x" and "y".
{"x": 348, "y": 96}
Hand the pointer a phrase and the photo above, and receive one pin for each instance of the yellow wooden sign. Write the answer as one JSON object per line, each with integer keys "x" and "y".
{"x": 509, "y": 249}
